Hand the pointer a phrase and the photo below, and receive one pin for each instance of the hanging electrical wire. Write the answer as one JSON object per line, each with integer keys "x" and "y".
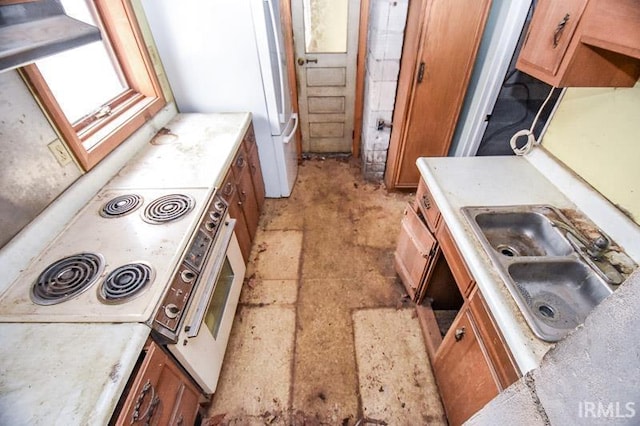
{"x": 531, "y": 140}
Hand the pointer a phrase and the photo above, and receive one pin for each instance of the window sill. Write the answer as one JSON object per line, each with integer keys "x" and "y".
{"x": 107, "y": 138}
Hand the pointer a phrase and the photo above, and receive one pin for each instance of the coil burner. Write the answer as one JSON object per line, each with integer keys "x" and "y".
{"x": 67, "y": 278}
{"x": 125, "y": 282}
{"x": 168, "y": 208}
{"x": 121, "y": 205}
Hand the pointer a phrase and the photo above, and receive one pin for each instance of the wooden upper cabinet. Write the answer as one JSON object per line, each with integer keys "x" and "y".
{"x": 441, "y": 42}
{"x": 583, "y": 43}
{"x": 552, "y": 27}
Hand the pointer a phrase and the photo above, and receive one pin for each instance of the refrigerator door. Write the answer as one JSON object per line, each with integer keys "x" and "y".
{"x": 218, "y": 58}
{"x": 271, "y": 53}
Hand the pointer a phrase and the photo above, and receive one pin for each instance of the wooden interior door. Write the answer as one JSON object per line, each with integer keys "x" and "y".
{"x": 326, "y": 42}
{"x": 432, "y": 82}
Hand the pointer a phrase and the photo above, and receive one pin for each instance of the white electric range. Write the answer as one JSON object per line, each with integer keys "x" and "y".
{"x": 154, "y": 246}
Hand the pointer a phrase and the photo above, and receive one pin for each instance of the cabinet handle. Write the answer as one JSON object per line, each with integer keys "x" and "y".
{"x": 152, "y": 405}
{"x": 559, "y": 30}
{"x": 228, "y": 189}
{"x": 240, "y": 162}
{"x": 459, "y": 333}
{"x": 426, "y": 202}
{"x": 421, "y": 72}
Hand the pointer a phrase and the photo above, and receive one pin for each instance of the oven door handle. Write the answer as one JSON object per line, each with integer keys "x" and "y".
{"x": 212, "y": 273}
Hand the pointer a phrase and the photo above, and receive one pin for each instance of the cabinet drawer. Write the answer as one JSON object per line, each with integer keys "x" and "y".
{"x": 501, "y": 359}
{"x": 427, "y": 206}
{"x": 454, "y": 259}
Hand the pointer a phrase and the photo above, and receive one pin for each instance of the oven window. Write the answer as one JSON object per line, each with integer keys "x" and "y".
{"x": 213, "y": 318}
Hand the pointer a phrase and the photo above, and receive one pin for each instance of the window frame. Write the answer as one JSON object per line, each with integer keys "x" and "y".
{"x": 130, "y": 110}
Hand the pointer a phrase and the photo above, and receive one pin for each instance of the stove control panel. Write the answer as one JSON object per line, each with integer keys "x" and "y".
{"x": 185, "y": 279}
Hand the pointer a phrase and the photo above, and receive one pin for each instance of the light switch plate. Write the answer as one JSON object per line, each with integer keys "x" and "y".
{"x": 59, "y": 151}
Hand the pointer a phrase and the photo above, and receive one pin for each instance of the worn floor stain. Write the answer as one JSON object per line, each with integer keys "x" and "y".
{"x": 322, "y": 313}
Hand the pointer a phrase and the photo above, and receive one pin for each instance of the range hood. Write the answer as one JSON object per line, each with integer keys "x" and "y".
{"x": 30, "y": 30}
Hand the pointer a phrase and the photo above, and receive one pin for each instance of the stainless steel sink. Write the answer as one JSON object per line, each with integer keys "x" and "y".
{"x": 522, "y": 233}
{"x": 559, "y": 294}
{"x": 551, "y": 275}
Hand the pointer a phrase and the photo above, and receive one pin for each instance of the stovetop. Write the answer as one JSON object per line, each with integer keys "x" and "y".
{"x": 119, "y": 250}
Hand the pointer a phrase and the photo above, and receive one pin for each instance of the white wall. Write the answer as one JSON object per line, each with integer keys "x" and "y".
{"x": 596, "y": 133}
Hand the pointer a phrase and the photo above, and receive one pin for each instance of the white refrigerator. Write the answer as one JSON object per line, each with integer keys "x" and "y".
{"x": 228, "y": 56}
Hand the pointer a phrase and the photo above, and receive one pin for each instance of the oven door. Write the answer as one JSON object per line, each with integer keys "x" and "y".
{"x": 202, "y": 341}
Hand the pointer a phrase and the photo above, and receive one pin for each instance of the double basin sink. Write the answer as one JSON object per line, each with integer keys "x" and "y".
{"x": 555, "y": 273}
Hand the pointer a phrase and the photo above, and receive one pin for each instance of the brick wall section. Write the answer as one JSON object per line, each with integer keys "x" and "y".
{"x": 387, "y": 20}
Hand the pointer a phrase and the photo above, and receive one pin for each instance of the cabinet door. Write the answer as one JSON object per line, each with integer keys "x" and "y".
{"x": 415, "y": 252}
{"x": 254, "y": 164}
{"x": 183, "y": 414}
{"x": 247, "y": 200}
{"x": 503, "y": 365}
{"x": 160, "y": 390}
{"x": 230, "y": 194}
{"x": 462, "y": 371}
{"x": 552, "y": 27}
{"x": 256, "y": 176}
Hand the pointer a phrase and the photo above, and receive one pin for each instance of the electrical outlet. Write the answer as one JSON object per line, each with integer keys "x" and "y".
{"x": 60, "y": 152}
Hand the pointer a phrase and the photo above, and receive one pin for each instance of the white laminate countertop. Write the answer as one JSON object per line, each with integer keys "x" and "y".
{"x": 191, "y": 151}
{"x": 65, "y": 374}
{"x": 457, "y": 182}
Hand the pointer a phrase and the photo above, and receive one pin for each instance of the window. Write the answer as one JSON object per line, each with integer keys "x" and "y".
{"x": 100, "y": 93}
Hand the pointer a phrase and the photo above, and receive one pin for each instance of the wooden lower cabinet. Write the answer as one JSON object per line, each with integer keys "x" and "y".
{"x": 160, "y": 394}
{"x": 470, "y": 359}
{"x": 462, "y": 371}
{"x": 472, "y": 365}
{"x": 243, "y": 189}
{"x": 256, "y": 176}
{"x": 230, "y": 194}
{"x": 415, "y": 252}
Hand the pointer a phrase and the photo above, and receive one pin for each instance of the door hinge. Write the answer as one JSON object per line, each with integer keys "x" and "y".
{"x": 421, "y": 72}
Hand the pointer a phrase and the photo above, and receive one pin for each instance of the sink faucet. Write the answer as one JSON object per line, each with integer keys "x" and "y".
{"x": 594, "y": 248}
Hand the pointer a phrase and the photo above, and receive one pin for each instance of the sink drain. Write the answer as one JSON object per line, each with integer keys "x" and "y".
{"x": 547, "y": 311}
{"x": 508, "y": 251}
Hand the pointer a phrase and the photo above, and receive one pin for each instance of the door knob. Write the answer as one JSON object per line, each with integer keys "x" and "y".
{"x": 302, "y": 61}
